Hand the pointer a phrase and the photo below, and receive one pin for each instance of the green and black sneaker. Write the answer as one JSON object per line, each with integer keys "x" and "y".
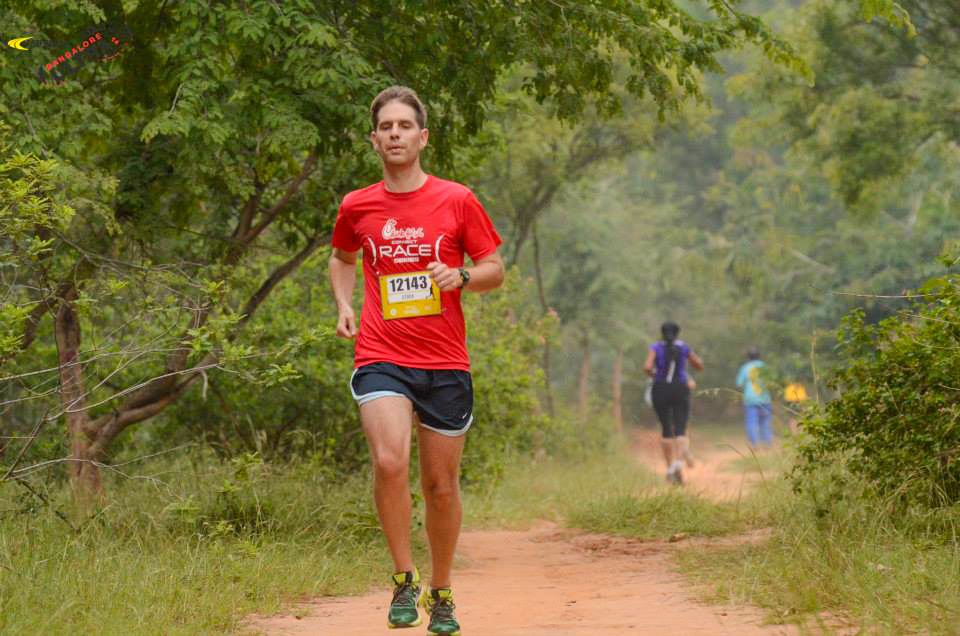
{"x": 407, "y": 595}
{"x": 439, "y": 604}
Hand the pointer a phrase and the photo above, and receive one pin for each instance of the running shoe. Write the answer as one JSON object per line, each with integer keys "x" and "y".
{"x": 439, "y": 604}
{"x": 407, "y": 594}
{"x": 688, "y": 457}
{"x": 675, "y": 473}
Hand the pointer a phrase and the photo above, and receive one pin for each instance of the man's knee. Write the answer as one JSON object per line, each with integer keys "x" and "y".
{"x": 390, "y": 466}
{"x": 440, "y": 491}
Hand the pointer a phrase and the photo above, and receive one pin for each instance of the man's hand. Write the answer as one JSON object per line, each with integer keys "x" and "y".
{"x": 447, "y": 278}
{"x": 343, "y": 274}
{"x": 347, "y": 323}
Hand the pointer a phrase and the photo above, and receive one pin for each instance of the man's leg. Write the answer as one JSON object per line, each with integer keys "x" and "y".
{"x": 766, "y": 430}
{"x": 387, "y": 422}
{"x": 750, "y": 417}
{"x": 440, "y": 477}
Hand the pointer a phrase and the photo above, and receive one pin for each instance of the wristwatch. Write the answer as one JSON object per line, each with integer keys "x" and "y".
{"x": 464, "y": 277}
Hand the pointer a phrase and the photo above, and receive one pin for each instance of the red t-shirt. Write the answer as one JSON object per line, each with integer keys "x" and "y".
{"x": 403, "y": 232}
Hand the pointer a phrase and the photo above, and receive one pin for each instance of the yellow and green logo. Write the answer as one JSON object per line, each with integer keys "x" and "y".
{"x": 21, "y": 44}
{"x": 17, "y": 43}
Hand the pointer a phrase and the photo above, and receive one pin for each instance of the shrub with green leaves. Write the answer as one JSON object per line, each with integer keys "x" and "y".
{"x": 505, "y": 339}
{"x": 897, "y": 418}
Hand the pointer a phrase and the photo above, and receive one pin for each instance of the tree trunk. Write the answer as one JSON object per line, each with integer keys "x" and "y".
{"x": 617, "y": 392}
{"x": 915, "y": 204}
{"x": 89, "y": 439}
{"x": 584, "y": 392}
{"x": 84, "y": 474}
{"x": 543, "y": 304}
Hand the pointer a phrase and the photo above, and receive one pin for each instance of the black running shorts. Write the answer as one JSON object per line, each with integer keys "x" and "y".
{"x": 671, "y": 401}
{"x": 443, "y": 398}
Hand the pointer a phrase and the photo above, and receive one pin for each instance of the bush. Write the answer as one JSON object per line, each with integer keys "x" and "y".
{"x": 898, "y": 415}
{"x": 505, "y": 339}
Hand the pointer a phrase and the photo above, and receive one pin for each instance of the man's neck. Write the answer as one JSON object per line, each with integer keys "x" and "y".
{"x": 404, "y": 178}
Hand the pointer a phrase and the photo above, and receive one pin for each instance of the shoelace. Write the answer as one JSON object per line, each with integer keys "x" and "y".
{"x": 404, "y": 592}
{"x": 442, "y": 609}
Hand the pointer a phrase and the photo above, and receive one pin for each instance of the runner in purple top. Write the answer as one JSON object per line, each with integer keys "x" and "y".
{"x": 662, "y": 367}
{"x": 666, "y": 363}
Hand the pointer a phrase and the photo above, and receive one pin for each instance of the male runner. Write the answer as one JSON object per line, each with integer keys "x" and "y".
{"x": 757, "y": 408}
{"x": 411, "y": 358}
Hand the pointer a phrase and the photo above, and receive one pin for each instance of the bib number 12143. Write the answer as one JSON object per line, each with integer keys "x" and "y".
{"x": 409, "y": 295}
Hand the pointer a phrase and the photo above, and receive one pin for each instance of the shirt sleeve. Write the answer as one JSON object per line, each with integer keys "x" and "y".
{"x": 741, "y": 376}
{"x": 344, "y": 237}
{"x": 479, "y": 237}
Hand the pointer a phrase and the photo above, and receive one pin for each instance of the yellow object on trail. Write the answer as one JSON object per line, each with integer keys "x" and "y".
{"x": 795, "y": 393}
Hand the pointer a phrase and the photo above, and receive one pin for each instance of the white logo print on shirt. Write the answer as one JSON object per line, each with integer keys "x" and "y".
{"x": 392, "y": 232}
{"x": 403, "y": 247}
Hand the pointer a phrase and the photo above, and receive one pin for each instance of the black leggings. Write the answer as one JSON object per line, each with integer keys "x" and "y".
{"x": 671, "y": 401}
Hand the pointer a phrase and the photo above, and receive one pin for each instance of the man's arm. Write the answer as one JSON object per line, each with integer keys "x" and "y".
{"x": 343, "y": 277}
{"x": 486, "y": 274}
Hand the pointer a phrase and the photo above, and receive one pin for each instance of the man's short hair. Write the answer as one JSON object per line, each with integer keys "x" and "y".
{"x": 401, "y": 94}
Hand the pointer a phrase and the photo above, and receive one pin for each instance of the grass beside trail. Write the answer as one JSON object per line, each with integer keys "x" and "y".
{"x": 609, "y": 492}
{"x": 202, "y": 544}
{"x": 192, "y": 554}
{"x": 212, "y": 543}
{"x": 837, "y": 556}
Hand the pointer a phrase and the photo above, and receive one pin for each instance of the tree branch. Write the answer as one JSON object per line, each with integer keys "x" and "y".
{"x": 280, "y": 273}
{"x": 308, "y": 167}
{"x": 166, "y": 391}
{"x": 82, "y": 270}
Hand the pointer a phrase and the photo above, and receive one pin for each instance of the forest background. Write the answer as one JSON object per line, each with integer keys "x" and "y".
{"x": 167, "y": 204}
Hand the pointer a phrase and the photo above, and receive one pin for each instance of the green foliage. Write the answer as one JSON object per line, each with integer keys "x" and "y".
{"x": 739, "y": 231}
{"x": 29, "y": 216}
{"x": 657, "y": 515}
{"x": 285, "y": 395}
{"x": 190, "y": 546}
{"x": 837, "y": 550}
{"x": 898, "y": 413}
{"x": 892, "y": 12}
{"x": 884, "y": 92}
{"x": 228, "y": 130}
{"x": 505, "y": 339}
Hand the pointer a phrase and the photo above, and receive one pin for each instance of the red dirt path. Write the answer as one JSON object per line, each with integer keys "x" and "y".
{"x": 551, "y": 580}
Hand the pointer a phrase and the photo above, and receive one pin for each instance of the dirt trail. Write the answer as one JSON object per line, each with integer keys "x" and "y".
{"x": 711, "y": 475}
{"x": 551, "y": 580}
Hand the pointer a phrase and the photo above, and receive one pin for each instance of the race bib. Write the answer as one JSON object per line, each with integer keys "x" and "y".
{"x": 409, "y": 295}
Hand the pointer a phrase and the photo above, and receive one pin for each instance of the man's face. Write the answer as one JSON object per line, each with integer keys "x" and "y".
{"x": 398, "y": 139}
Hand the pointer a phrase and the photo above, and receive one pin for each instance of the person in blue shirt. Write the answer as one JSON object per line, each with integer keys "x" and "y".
{"x": 756, "y": 400}
{"x": 666, "y": 363}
